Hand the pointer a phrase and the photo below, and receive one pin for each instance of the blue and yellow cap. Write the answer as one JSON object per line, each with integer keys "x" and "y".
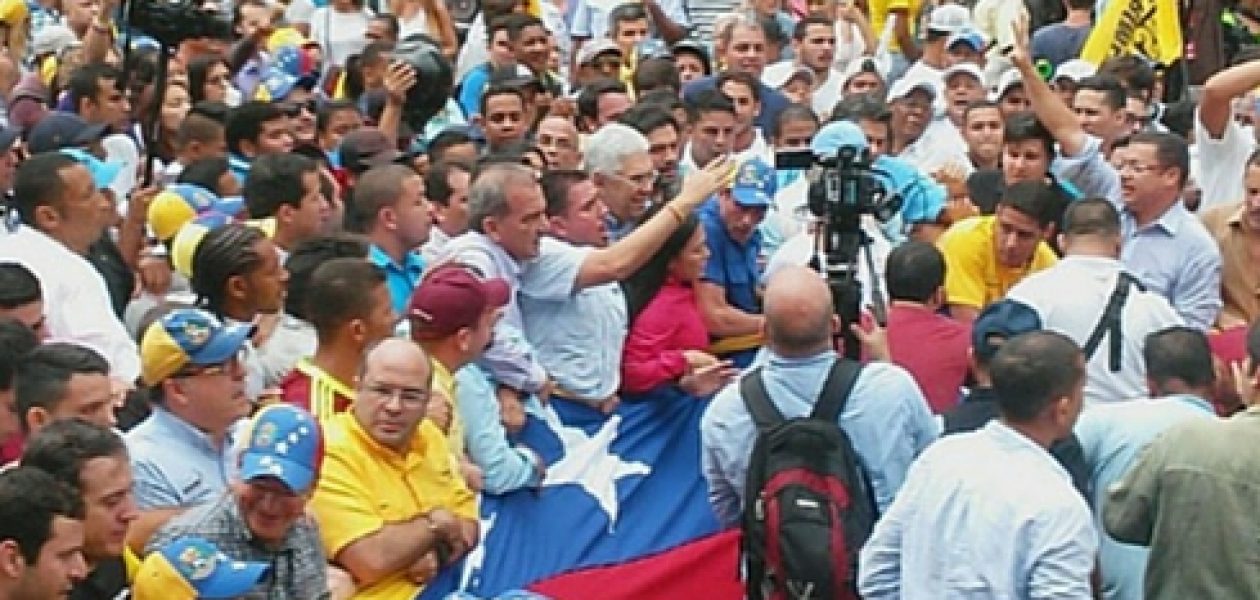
{"x": 754, "y": 184}
{"x": 188, "y": 336}
{"x": 191, "y": 567}
{"x": 285, "y": 442}
{"x": 182, "y": 202}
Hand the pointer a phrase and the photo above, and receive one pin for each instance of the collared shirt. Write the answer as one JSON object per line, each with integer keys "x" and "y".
{"x": 400, "y": 278}
{"x": 1112, "y": 437}
{"x": 299, "y": 567}
{"x": 444, "y": 384}
{"x": 1176, "y": 257}
{"x": 984, "y": 514}
{"x": 1222, "y": 162}
{"x": 934, "y": 349}
{"x": 938, "y": 146}
{"x": 1092, "y": 281}
{"x": 668, "y": 325}
{"x": 973, "y": 275}
{"x": 364, "y": 486}
{"x": 618, "y": 229}
{"x": 510, "y": 359}
{"x": 76, "y": 301}
{"x": 239, "y": 166}
{"x": 316, "y": 391}
{"x": 886, "y": 418}
{"x": 578, "y": 335}
{"x": 1190, "y": 498}
{"x": 175, "y": 464}
{"x": 1240, "y": 280}
{"x": 1089, "y": 171}
{"x": 732, "y": 265}
{"x": 504, "y": 467}
{"x": 433, "y": 249}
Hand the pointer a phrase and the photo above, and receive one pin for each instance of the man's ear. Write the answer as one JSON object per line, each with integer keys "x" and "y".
{"x": 36, "y": 418}
{"x": 236, "y": 287}
{"x": 46, "y": 217}
{"x": 249, "y": 148}
{"x": 12, "y": 564}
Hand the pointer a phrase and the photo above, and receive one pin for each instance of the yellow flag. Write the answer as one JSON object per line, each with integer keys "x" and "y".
{"x": 1150, "y": 28}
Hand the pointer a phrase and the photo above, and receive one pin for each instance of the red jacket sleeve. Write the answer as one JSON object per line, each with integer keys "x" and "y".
{"x": 651, "y": 356}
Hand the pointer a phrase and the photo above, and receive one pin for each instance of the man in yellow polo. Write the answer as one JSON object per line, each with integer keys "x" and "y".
{"x": 986, "y": 256}
{"x": 391, "y": 508}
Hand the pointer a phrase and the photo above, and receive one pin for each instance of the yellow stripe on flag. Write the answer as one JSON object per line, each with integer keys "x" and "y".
{"x": 1150, "y": 28}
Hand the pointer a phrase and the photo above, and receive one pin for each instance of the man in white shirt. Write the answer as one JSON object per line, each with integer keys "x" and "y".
{"x": 918, "y": 135}
{"x": 990, "y": 513}
{"x": 1104, "y": 306}
{"x": 814, "y": 46}
{"x": 943, "y": 22}
{"x": 60, "y": 210}
{"x": 1223, "y": 145}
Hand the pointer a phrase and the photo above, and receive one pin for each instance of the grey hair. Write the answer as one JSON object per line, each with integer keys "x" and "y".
{"x": 724, "y": 25}
{"x": 611, "y": 144}
{"x": 488, "y": 195}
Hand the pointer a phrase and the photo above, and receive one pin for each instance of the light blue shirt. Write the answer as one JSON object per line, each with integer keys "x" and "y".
{"x": 1112, "y": 436}
{"x": 578, "y": 336}
{"x": 505, "y": 468}
{"x": 401, "y": 279}
{"x": 983, "y": 514}
{"x": 1176, "y": 257}
{"x": 1089, "y": 171}
{"x": 886, "y": 418}
{"x": 175, "y": 464}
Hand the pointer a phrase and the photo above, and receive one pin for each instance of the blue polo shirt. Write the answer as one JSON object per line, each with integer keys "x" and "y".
{"x": 176, "y": 465}
{"x": 400, "y": 279}
{"x": 731, "y": 265}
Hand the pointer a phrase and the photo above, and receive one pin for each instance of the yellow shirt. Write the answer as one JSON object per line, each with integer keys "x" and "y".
{"x": 444, "y": 384}
{"x": 879, "y": 10}
{"x": 973, "y": 276}
{"x": 363, "y": 486}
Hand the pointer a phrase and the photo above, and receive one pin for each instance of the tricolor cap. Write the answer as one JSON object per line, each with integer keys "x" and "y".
{"x": 189, "y": 235}
{"x": 285, "y": 36}
{"x": 182, "y": 202}
{"x": 188, "y": 336}
{"x": 286, "y": 443}
{"x": 191, "y": 567}
{"x": 103, "y": 172}
{"x": 754, "y": 184}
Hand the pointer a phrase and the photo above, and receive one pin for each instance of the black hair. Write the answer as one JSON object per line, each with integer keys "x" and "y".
{"x": 1091, "y": 216}
{"x": 38, "y": 182}
{"x": 1170, "y": 151}
{"x": 1135, "y": 73}
{"x": 245, "y": 122}
{"x": 643, "y": 285}
{"x": 697, "y": 51}
{"x": 340, "y": 291}
{"x": 375, "y": 189}
{"x": 861, "y": 107}
{"x": 656, "y": 73}
{"x": 556, "y": 185}
{"x": 499, "y": 89}
{"x": 437, "y": 186}
{"x": 307, "y": 256}
{"x": 205, "y": 172}
{"x": 197, "y": 127}
{"x": 30, "y": 500}
{"x": 774, "y": 33}
{"x": 975, "y": 105}
{"x": 1179, "y": 353}
{"x": 323, "y": 117}
{"x": 588, "y": 98}
{"x": 630, "y": 11}
{"x": 211, "y": 109}
{"x": 18, "y": 286}
{"x": 1024, "y": 126}
{"x": 1032, "y": 370}
{"x": 791, "y": 114}
{"x": 199, "y": 72}
{"x": 391, "y": 22}
{"x": 1035, "y": 199}
{"x": 647, "y": 117}
{"x": 802, "y": 27}
{"x": 516, "y": 23}
{"x": 1112, "y": 90}
{"x": 42, "y": 375}
{"x": 85, "y": 81}
{"x": 744, "y": 78}
{"x": 224, "y": 252}
{"x": 914, "y": 271}
{"x": 444, "y": 140}
{"x": 16, "y": 341}
{"x": 274, "y": 180}
{"x": 64, "y": 446}
{"x": 707, "y": 101}
{"x": 663, "y": 100}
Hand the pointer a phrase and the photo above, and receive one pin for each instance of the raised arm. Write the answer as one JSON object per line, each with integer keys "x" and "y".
{"x": 1219, "y": 92}
{"x": 1050, "y": 109}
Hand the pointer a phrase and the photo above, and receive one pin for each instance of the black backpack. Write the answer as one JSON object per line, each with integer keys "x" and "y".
{"x": 809, "y": 506}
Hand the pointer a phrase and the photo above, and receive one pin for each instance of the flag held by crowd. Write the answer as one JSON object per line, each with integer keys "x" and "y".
{"x": 1150, "y": 28}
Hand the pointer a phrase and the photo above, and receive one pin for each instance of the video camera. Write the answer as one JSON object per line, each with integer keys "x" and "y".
{"x": 173, "y": 21}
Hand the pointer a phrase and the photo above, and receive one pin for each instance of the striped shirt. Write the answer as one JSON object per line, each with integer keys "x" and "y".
{"x": 316, "y": 391}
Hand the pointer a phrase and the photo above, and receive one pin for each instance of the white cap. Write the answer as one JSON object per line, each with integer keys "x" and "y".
{"x": 949, "y": 18}
{"x": 1075, "y": 69}
{"x": 52, "y": 39}
{"x": 778, "y": 75}
{"x": 1010, "y": 78}
{"x": 902, "y": 88}
{"x": 967, "y": 68}
{"x": 595, "y": 47}
{"x": 860, "y": 65}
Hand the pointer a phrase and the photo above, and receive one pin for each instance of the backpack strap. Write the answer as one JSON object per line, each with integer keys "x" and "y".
{"x": 753, "y": 389}
{"x": 1110, "y": 322}
{"x": 835, "y": 392}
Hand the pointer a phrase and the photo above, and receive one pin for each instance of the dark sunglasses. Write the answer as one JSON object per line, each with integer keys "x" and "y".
{"x": 294, "y": 109}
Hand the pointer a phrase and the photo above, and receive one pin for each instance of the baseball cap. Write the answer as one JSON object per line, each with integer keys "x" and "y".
{"x": 776, "y": 78}
{"x": 285, "y": 442}
{"x": 754, "y": 184}
{"x": 188, "y": 568}
{"x": 964, "y": 68}
{"x": 902, "y": 87}
{"x": 103, "y": 172}
{"x": 864, "y": 65}
{"x": 594, "y": 48}
{"x": 182, "y": 202}
{"x": 452, "y": 298}
{"x": 52, "y": 39}
{"x": 188, "y": 336}
{"x": 949, "y": 18}
{"x": 367, "y": 147}
{"x": 836, "y": 135}
{"x": 190, "y": 234}
{"x": 970, "y": 37}
{"x": 514, "y": 76}
{"x": 13, "y": 13}
{"x": 694, "y": 47}
{"x": 1010, "y": 78}
{"x": 59, "y": 130}
{"x": 1075, "y": 69}
{"x": 999, "y": 322}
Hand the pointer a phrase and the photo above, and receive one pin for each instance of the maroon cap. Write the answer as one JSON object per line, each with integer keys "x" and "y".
{"x": 452, "y": 298}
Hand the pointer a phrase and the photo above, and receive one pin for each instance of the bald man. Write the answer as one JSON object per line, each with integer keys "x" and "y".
{"x": 886, "y": 416}
{"x": 558, "y": 139}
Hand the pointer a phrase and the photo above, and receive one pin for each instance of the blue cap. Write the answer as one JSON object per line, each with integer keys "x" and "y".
{"x": 103, "y": 172}
{"x": 210, "y": 572}
{"x": 188, "y": 336}
{"x": 999, "y": 322}
{"x": 285, "y": 442}
{"x": 970, "y": 37}
{"x": 57, "y": 130}
{"x": 754, "y": 184}
{"x": 834, "y": 136}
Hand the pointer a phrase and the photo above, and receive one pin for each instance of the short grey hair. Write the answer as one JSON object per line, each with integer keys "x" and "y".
{"x": 611, "y": 144}
{"x": 488, "y": 195}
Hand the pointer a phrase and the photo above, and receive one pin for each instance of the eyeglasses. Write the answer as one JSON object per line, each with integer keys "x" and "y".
{"x": 643, "y": 180}
{"x": 294, "y": 109}
{"x": 407, "y": 397}
{"x": 1137, "y": 168}
{"x": 224, "y": 368}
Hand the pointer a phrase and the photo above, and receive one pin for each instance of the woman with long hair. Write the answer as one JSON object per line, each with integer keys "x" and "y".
{"x": 667, "y": 337}
{"x": 208, "y": 79}
{"x": 429, "y": 17}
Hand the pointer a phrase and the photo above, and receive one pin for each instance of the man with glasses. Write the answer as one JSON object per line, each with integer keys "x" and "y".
{"x": 262, "y": 518}
{"x": 391, "y": 510}
{"x": 618, "y": 161}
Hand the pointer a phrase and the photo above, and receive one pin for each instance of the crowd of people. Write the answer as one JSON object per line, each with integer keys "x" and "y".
{"x": 262, "y": 335}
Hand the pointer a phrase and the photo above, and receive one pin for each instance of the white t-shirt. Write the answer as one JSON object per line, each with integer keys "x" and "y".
{"x": 940, "y": 144}
{"x": 1222, "y": 163}
{"x": 340, "y": 34}
{"x": 418, "y": 23}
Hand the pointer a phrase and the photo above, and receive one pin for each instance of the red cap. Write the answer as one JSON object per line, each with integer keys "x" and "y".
{"x": 452, "y": 298}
